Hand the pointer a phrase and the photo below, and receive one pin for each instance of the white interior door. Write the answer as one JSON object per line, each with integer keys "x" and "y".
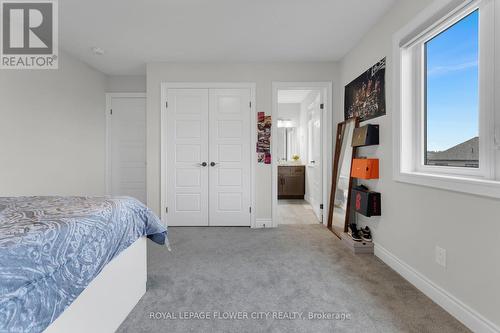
{"x": 314, "y": 172}
{"x": 229, "y": 141}
{"x": 127, "y": 147}
{"x": 187, "y": 150}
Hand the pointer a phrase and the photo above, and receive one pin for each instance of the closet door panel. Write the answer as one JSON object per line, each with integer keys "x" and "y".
{"x": 187, "y": 149}
{"x": 229, "y": 151}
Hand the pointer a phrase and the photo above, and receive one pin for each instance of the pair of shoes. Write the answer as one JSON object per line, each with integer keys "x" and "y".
{"x": 366, "y": 234}
{"x": 363, "y": 234}
{"x": 354, "y": 233}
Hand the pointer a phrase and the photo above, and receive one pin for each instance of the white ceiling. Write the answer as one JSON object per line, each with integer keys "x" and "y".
{"x": 292, "y": 96}
{"x": 133, "y": 33}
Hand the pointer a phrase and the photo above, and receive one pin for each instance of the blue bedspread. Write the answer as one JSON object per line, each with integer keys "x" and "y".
{"x": 51, "y": 248}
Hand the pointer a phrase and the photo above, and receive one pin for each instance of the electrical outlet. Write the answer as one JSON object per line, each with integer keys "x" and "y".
{"x": 440, "y": 256}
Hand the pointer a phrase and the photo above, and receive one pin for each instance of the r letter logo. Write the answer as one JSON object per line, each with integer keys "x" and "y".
{"x": 29, "y": 35}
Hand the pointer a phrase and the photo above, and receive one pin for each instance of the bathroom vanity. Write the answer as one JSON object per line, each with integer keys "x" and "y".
{"x": 291, "y": 181}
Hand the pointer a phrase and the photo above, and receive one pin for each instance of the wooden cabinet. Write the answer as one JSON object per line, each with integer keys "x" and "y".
{"x": 291, "y": 182}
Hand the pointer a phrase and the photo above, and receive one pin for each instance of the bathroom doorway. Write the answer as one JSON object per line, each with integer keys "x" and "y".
{"x": 299, "y": 115}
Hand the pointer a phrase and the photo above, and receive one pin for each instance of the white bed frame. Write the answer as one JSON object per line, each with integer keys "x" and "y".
{"x": 110, "y": 297}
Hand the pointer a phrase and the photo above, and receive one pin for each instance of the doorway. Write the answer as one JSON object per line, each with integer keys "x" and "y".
{"x": 206, "y": 154}
{"x": 300, "y": 127}
{"x": 126, "y": 145}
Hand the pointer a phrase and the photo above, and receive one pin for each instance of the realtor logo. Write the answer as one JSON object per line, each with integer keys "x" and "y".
{"x": 28, "y": 34}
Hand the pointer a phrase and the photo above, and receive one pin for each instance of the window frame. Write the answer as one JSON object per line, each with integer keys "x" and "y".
{"x": 409, "y": 77}
{"x": 485, "y": 136}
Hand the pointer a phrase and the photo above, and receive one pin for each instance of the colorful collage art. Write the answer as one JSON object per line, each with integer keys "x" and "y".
{"x": 263, "y": 138}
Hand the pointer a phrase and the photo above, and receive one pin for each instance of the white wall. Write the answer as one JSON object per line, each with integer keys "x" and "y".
{"x": 415, "y": 219}
{"x": 261, "y": 74}
{"x": 126, "y": 83}
{"x": 289, "y": 111}
{"x": 52, "y": 130}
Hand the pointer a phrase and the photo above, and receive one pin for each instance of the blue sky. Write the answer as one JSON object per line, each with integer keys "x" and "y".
{"x": 452, "y": 85}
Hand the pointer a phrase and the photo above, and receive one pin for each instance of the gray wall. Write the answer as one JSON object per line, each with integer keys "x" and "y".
{"x": 414, "y": 218}
{"x": 261, "y": 74}
{"x": 126, "y": 83}
{"x": 52, "y": 130}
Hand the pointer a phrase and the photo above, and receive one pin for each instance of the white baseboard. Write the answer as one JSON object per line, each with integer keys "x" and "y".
{"x": 465, "y": 314}
{"x": 263, "y": 223}
{"x": 307, "y": 198}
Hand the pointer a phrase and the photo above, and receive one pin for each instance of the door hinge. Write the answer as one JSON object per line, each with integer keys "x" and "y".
{"x": 166, "y": 210}
{"x": 250, "y": 210}
{"x": 322, "y": 106}
{"x": 111, "y": 111}
{"x": 166, "y": 104}
{"x": 321, "y": 206}
{"x": 250, "y": 104}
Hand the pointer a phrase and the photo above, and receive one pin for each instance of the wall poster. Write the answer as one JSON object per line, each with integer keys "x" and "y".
{"x": 365, "y": 96}
{"x": 264, "y": 124}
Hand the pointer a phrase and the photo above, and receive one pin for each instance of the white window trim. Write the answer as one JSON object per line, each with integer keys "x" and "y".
{"x": 408, "y": 164}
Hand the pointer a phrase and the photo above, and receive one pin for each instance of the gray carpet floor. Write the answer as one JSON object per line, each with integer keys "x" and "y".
{"x": 295, "y": 268}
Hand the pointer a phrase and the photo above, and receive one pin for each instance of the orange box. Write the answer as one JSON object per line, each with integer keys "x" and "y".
{"x": 365, "y": 168}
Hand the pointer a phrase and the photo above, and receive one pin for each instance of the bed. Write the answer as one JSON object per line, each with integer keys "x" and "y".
{"x": 53, "y": 248}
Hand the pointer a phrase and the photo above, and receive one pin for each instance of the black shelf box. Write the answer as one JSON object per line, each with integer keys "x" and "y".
{"x": 367, "y": 135}
{"x": 365, "y": 202}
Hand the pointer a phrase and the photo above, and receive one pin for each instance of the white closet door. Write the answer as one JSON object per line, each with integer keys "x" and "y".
{"x": 127, "y": 147}
{"x": 229, "y": 178}
{"x": 187, "y": 149}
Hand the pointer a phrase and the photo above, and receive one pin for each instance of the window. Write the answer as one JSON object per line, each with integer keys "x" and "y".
{"x": 451, "y": 95}
{"x": 444, "y": 117}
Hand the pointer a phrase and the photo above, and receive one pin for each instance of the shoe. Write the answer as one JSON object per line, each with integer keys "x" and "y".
{"x": 361, "y": 188}
{"x": 354, "y": 233}
{"x": 366, "y": 234}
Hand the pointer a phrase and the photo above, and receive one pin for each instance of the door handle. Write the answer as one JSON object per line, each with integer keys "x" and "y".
{"x": 204, "y": 164}
{"x": 213, "y": 164}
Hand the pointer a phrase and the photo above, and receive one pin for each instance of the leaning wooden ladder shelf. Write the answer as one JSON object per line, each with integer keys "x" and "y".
{"x": 346, "y": 168}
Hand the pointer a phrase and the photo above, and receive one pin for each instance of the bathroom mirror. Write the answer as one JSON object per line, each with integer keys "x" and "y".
{"x": 340, "y": 195}
{"x": 286, "y": 139}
